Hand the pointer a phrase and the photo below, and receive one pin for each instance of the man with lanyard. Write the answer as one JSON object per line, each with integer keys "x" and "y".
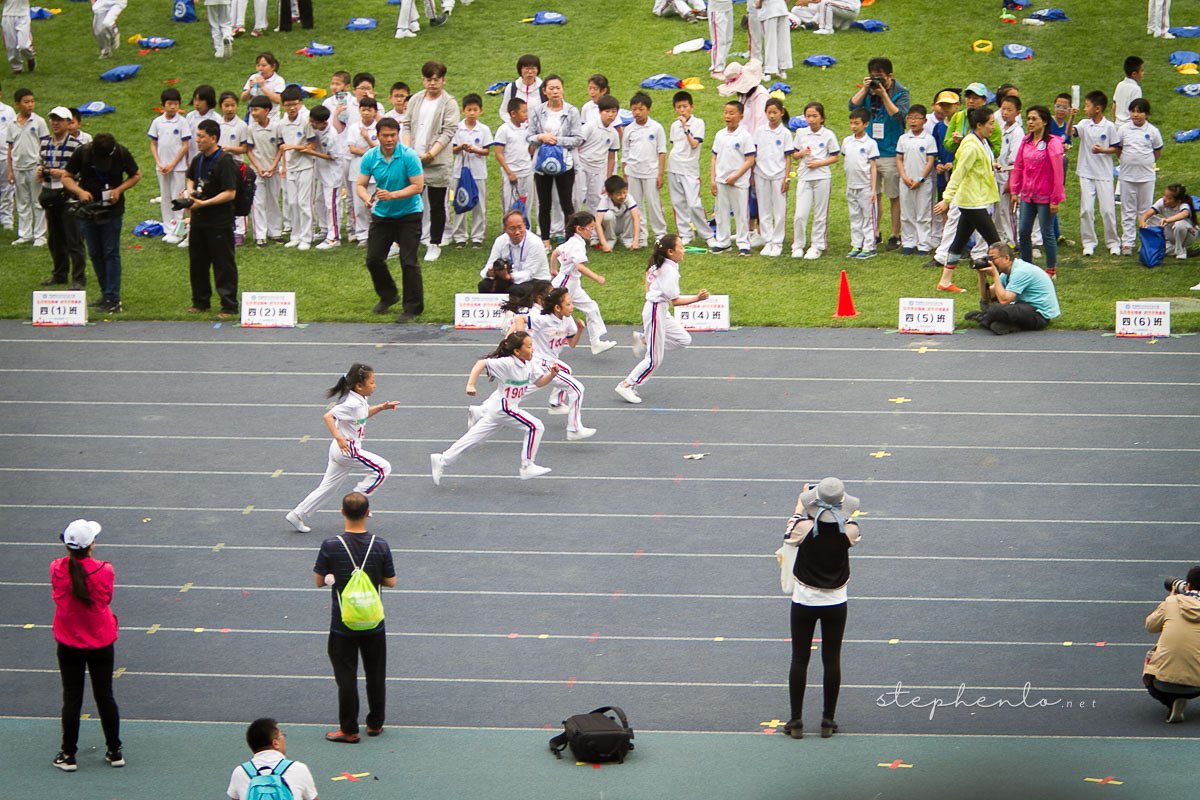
{"x": 888, "y": 101}
{"x": 211, "y": 187}
{"x": 526, "y": 261}
{"x": 99, "y": 174}
{"x": 62, "y": 228}
{"x": 396, "y": 208}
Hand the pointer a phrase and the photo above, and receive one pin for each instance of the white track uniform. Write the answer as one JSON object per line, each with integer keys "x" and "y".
{"x": 351, "y": 416}
{"x": 660, "y": 330}
{"x": 171, "y": 136}
{"x": 857, "y": 155}
{"x": 812, "y": 188}
{"x": 730, "y": 149}
{"x": 1136, "y": 184}
{"x": 331, "y": 177}
{"x": 511, "y": 139}
{"x": 1158, "y": 17}
{"x": 683, "y": 180}
{"x": 18, "y": 34}
{"x": 837, "y": 14}
{"x": 1095, "y": 171}
{"x": 104, "y": 23}
{"x": 916, "y": 205}
{"x": 777, "y": 37}
{"x": 616, "y": 220}
{"x": 754, "y": 30}
{"x": 7, "y": 115}
{"x": 241, "y": 7}
{"x": 24, "y": 147}
{"x": 298, "y": 180}
{"x": 642, "y": 146}
{"x": 503, "y": 409}
{"x": 1010, "y": 143}
{"x": 358, "y": 216}
{"x": 591, "y": 162}
{"x": 550, "y": 335}
{"x": 772, "y": 152}
{"x": 458, "y": 229}
{"x": 220, "y": 25}
{"x": 236, "y": 133}
{"x": 268, "y": 222}
{"x": 720, "y": 32}
{"x": 571, "y": 254}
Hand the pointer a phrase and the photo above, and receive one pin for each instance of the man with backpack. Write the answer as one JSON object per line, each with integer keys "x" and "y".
{"x": 270, "y": 774}
{"x": 212, "y": 187}
{"x": 354, "y": 566}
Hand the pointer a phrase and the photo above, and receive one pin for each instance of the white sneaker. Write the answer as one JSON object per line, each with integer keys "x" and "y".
{"x": 155, "y": 200}
{"x": 291, "y": 243}
{"x": 602, "y": 346}
{"x": 558, "y": 410}
{"x": 329, "y": 244}
{"x": 437, "y": 463}
{"x": 797, "y": 254}
{"x": 39, "y": 241}
{"x": 432, "y": 253}
{"x": 756, "y": 239}
{"x": 297, "y": 522}
{"x": 1168, "y": 35}
{"x": 1114, "y": 251}
{"x": 168, "y": 239}
{"x": 227, "y": 48}
{"x": 627, "y": 394}
{"x": 582, "y": 433}
{"x": 415, "y": 27}
{"x": 533, "y": 471}
{"x": 812, "y": 255}
{"x": 1195, "y": 288}
{"x": 639, "y": 345}
{"x": 303, "y": 246}
{"x": 393, "y": 251}
{"x": 183, "y": 243}
{"x": 1037, "y": 253}
{"x": 1089, "y": 253}
{"x": 824, "y": 31}
{"x": 22, "y": 240}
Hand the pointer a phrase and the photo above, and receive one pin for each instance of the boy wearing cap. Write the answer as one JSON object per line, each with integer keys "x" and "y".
{"x": 62, "y": 227}
{"x": 945, "y": 104}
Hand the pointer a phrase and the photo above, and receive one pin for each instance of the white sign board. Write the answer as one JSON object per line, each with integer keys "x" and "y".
{"x": 926, "y": 315}
{"x": 268, "y": 309}
{"x": 707, "y": 315}
{"x": 60, "y": 308}
{"x": 1143, "y": 319}
{"x": 479, "y": 312}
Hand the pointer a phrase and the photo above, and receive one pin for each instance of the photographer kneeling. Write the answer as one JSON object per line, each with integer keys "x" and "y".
{"x": 513, "y": 258}
{"x": 1172, "y": 671}
{"x": 1021, "y": 296}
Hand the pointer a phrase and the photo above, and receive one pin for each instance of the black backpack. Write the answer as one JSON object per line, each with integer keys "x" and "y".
{"x": 595, "y": 737}
{"x": 247, "y": 182}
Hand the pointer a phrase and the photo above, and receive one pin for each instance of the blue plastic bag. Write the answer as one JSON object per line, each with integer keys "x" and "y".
{"x": 869, "y": 25}
{"x": 1180, "y": 57}
{"x": 362, "y": 24}
{"x": 155, "y": 42}
{"x": 1016, "y": 5}
{"x": 466, "y": 194}
{"x": 1153, "y": 247}
{"x": 797, "y": 122}
{"x": 497, "y": 88}
{"x": 820, "y": 61}
{"x": 95, "y": 108}
{"x": 549, "y": 18}
{"x": 149, "y": 228}
{"x": 37, "y": 12}
{"x": 1190, "y": 89}
{"x": 184, "y": 11}
{"x": 781, "y": 87}
{"x": 549, "y": 160}
{"x": 318, "y": 49}
{"x": 624, "y": 118}
{"x": 522, "y": 204}
{"x": 1186, "y": 31}
{"x": 1050, "y": 15}
{"x": 121, "y": 73}
{"x": 1017, "y": 51}
{"x": 1187, "y": 136}
{"x": 661, "y": 81}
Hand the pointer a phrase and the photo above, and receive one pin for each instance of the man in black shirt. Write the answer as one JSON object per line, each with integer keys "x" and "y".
{"x": 99, "y": 174}
{"x": 211, "y": 187}
{"x": 338, "y": 558}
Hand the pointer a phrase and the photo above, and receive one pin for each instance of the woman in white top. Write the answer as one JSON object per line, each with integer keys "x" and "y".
{"x": 265, "y": 82}
{"x": 555, "y": 123}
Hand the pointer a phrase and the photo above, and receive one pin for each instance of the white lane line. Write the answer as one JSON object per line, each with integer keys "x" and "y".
{"x": 635, "y": 478}
{"x": 592, "y": 443}
{"x": 614, "y": 554}
{"x": 599, "y": 376}
{"x": 585, "y": 682}
{"x": 599, "y": 515}
{"x": 942, "y": 347}
{"x": 607, "y": 594}
{"x": 535, "y": 637}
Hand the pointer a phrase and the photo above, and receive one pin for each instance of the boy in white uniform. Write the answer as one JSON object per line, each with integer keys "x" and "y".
{"x": 596, "y": 157}
{"x": 916, "y": 155}
{"x": 859, "y": 154}
{"x": 220, "y": 26}
{"x": 296, "y": 134}
{"x": 24, "y": 137}
{"x": 1139, "y": 144}
{"x": 772, "y": 153}
{"x": 104, "y": 24}
{"x": 359, "y": 137}
{"x": 1128, "y": 90}
{"x": 471, "y": 144}
{"x": 617, "y": 217}
{"x": 265, "y": 141}
{"x": 816, "y": 149}
{"x": 683, "y": 171}
{"x": 643, "y": 162}
{"x": 720, "y": 33}
{"x": 777, "y": 37}
{"x": 18, "y": 36}
{"x": 330, "y": 156}
{"x": 687, "y": 10}
{"x": 729, "y": 178}
{"x": 514, "y": 158}
{"x": 169, "y": 136}
{"x": 1094, "y": 135}
{"x": 1010, "y": 142}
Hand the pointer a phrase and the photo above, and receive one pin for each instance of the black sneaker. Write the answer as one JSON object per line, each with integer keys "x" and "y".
{"x": 383, "y": 305}
{"x": 893, "y": 243}
{"x": 974, "y": 316}
{"x": 439, "y": 20}
{"x": 65, "y": 762}
{"x": 115, "y": 758}
{"x": 111, "y": 307}
{"x": 30, "y": 65}
{"x": 53, "y": 282}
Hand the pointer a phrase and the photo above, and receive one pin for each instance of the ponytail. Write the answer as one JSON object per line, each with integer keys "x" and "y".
{"x": 553, "y": 299}
{"x": 358, "y": 373}
{"x": 79, "y": 587}
{"x": 509, "y": 345}
{"x": 578, "y": 220}
{"x": 662, "y": 246}
{"x": 1180, "y": 192}
{"x": 523, "y": 295}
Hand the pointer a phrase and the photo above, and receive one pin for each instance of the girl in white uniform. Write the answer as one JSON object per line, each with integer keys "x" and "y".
{"x": 512, "y": 365}
{"x": 567, "y": 263}
{"x": 660, "y": 330}
{"x": 346, "y": 422}
{"x": 552, "y": 329}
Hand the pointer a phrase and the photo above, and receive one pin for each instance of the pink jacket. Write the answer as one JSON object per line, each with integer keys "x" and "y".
{"x": 76, "y": 624}
{"x": 1037, "y": 175}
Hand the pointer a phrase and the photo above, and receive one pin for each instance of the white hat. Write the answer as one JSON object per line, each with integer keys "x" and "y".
{"x": 829, "y": 493}
{"x": 740, "y": 79}
{"x": 62, "y": 112}
{"x": 80, "y": 534}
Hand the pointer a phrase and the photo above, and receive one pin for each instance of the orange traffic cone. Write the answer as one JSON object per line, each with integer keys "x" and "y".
{"x": 845, "y": 300}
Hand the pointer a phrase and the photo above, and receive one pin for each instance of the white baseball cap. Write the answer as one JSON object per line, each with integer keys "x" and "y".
{"x": 80, "y": 534}
{"x": 62, "y": 112}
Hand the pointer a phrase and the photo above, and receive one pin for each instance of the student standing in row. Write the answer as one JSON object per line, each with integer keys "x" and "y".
{"x": 916, "y": 153}
{"x": 24, "y": 136}
{"x": 1139, "y": 145}
{"x": 772, "y": 154}
{"x": 643, "y": 164}
{"x": 815, "y": 149}
{"x": 683, "y": 171}
{"x": 859, "y": 156}
{"x": 1094, "y": 167}
{"x": 729, "y": 180}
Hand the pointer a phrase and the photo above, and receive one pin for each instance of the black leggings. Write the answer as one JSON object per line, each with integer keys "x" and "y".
{"x": 72, "y": 663}
{"x": 437, "y": 212}
{"x": 565, "y": 183}
{"x": 970, "y": 221}
{"x": 833, "y": 628}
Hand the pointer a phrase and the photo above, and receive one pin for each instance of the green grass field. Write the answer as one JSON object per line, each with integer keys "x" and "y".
{"x": 928, "y": 43}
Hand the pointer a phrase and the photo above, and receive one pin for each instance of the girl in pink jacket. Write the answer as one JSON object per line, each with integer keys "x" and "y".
{"x": 1036, "y": 184}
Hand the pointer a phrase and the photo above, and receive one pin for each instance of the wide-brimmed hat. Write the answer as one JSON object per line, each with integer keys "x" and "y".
{"x": 80, "y": 534}
{"x": 829, "y": 493}
{"x": 741, "y": 78}
{"x": 946, "y": 97}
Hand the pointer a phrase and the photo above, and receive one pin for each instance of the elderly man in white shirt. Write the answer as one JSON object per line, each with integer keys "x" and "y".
{"x": 526, "y": 257}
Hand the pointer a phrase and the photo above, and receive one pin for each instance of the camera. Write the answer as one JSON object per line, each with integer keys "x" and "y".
{"x": 501, "y": 266}
{"x": 981, "y": 263}
{"x": 876, "y": 82}
{"x": 180, "y": 203}
{"x": 1175, "y": 585}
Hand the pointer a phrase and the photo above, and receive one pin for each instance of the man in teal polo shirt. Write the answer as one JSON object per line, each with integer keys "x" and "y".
{"x": 1021, "y": 296}
{"x": 395, "y": 218}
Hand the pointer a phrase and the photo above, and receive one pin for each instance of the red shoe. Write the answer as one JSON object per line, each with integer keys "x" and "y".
{"x": 950, "y": 288}
{"x": 338, "y": 736}
{"x": 374, "y": 731}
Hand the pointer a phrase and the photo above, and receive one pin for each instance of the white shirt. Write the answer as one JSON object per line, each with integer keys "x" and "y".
{"x": 351, "y": 416}
{"x": 266, "y": 141}
{"x": 298, "y": 777}
{"x": 550, "y": 334}
{"x": 772, "y": 146}
{"x": 296, "y": 131}
{"x": 730, "y": 149}
{"x": 349, "y": 113}
{"x": 1010, "y": 143}
{"x": 275, "y": 83}
{"x": 663, "y": 283}
{"x": 354, "y": 137}
{"x": 194, "y": 118}
{"x": 1137, "y": 150}
{"x": 684, "y": 159}
{"x": 234, "y": 133}
{"x": 331, "y": 172}
{"x": 528, "y": 258}
{"x": 1097, "y": 166}
{"x": 643, "y": 144}
{"x": 618, "y": 210}
{"x": 514, "y": 376}
{"x": 598, "y": 142}
{"x": 571, "y": 254}
{"x": 821, "y": 145}
{"x": 479, "y": 136}
{"x": 531, "y": 94}
{"x": 84, "y": 137}
{"x": 1126, "y": 92}
{"x": 915, "y": 150}
{"x": 511, "y": 139}
{"x": 857, "y": 155}
{"x": 171, "y": 134}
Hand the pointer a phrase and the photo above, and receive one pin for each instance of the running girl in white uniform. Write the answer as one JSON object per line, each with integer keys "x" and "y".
{"x": 552, "y": 330}
{"x": 346, "y": 422}
{"x": 567, "y": 263}
{"x": 661, "y": 332}
{"x": 512, "y": 365}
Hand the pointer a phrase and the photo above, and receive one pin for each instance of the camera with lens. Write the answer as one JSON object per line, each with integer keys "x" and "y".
{"x": 981, "y": 263}
{"x": 876, "y": 82}
{"x": 502, "y": 268}
{"x": 180, "y": 203}
{"x": 1175, "y": 585}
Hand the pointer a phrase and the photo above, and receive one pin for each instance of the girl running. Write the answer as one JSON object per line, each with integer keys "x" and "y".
{"x": 513, "y": 366}
{"x": 346, "y": 422}
{"x": 553, "y": 329}
{"x": 661, "y": 332}
{"x": 567, "y": 263}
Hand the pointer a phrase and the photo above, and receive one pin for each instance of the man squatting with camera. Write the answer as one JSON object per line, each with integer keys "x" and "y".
{"x": 1020, "y": 297}
{"x": 513, "y": 259}
{"x": 1172, "y": 671}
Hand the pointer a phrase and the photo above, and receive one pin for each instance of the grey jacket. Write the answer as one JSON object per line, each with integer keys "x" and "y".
{"x": 438, "y": 172}
{"x": 570, "y": 135}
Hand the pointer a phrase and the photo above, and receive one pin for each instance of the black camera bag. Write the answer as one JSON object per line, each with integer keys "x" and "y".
{"x": 595, "y": 737}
